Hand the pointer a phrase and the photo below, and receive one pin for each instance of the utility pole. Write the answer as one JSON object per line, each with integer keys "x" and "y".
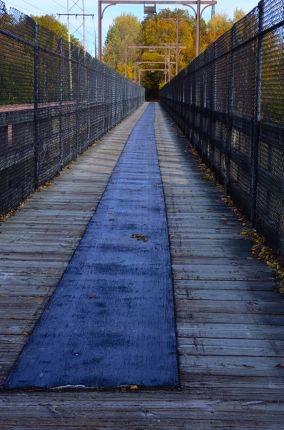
{"x": 177, "y": 20}
{"x": 169, "y": 65}
{"x": 95, "y": 33}
{"x": 126, "y": 61}
{"x": 177, "y": 43}
{"x": 198, "y": 16}
{"x": 68, "y": 21}
{"x": 69, "y": 52}
{"x": 100, "y": 18}
{"x": 76, "y": 8}
{"x": 84, "y": 26}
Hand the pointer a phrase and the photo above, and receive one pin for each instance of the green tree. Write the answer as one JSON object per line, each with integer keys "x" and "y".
{"x": 218, "y": 25}
{"x": 221, "y": 23}
{"x": 16, "y": 60}
{"x": 52, "y": 24}
{"x": 125, "y": 31}
{"x": 161, "y": 28}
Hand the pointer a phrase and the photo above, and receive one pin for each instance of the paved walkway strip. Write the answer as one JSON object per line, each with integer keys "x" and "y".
{"x": 111, "y": 320}
{"x": 37, "y": 243}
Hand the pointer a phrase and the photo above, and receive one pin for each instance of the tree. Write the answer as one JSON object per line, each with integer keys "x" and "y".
{"x": 125, "y": 31}
{"x": 52, "y": 24}
{"x": 238, "y": 14}
{"x": 152, "y": 83}
{"x": 16, "y": 60}
{"x": 161, "y": 28}
{"x": 218, "y": 25}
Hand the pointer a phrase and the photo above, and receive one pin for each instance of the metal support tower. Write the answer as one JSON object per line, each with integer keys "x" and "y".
{"x": 76, "y": 8}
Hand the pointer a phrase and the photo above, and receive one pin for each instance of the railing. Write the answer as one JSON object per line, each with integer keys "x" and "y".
{"x": 55, "y": 101}
{"x": 230, "y": 103}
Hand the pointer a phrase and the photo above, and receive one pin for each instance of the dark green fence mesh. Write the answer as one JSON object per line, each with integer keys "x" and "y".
{"x": 230, "y": 103}
{"x": 55, "y": 101}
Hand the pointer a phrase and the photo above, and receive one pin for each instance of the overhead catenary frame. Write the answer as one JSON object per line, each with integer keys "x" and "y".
{"x": 167, "y": 46}
{"x": 138, "y": 63}
{"x": 197, "y": 6}
{"x": 177, "y": 20}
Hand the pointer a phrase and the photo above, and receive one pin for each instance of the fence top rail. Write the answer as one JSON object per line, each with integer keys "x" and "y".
{"x": 25, "y": 30}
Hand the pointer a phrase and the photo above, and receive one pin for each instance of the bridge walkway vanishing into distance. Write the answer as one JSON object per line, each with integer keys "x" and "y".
{"x": 229, "y": 315}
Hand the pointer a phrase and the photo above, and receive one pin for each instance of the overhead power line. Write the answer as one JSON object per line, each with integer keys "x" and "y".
{"x": 35, "y": 7}
{"x": 58, "y": 4}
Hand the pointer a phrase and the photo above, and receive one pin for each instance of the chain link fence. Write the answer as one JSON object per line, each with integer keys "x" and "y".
{"x": 230, "y": 103}
{"x": 55, "y": 101}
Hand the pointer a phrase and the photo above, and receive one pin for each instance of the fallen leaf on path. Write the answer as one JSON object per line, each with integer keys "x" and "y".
{"x": 139, "y": 236}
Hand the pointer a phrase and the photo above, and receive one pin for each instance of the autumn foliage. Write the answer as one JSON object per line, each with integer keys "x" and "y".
{"x": 159, "y": 29}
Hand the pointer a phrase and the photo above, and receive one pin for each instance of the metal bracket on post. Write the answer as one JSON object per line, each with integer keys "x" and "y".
{"x": 36, "y": 103}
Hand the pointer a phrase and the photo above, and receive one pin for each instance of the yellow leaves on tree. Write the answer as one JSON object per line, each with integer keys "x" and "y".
{"x": 160, "y": 29}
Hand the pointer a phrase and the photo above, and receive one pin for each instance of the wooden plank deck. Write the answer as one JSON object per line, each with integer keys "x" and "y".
{"x": 37, "y": 243}
{"x": 229, "y": 316}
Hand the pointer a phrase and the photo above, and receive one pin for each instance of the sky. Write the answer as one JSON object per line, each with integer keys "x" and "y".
{"x": 36, "y": 7}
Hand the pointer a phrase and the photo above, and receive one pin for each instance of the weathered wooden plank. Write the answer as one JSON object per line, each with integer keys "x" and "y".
{"x": 138, "y": 411}
{"x": 184, "y": 315}
{"x": 231, "y": 307}
{"x": 224, "y": 285}
{"x": 232, "y": 295}
{"x": 229, "y": 319}
{"x": 229, "y": 315}
{"x": 232, "y": 347}
{"x": 228, "y": 331}
{"x": 231, "y": 365}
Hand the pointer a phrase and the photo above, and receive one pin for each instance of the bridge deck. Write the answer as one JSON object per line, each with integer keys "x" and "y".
{"x": 229, "y": 316}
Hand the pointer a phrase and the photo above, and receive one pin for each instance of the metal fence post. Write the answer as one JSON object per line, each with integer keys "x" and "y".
{"x": 36, "y": 103}
{"x": 78, "y": 92}
{"x": 212, "y": 103}
{"x": 281, "y": 248}
{"x": 201, "y": 115}
{"x": 256, "y": 120}
{"x": 60, "y": 103}
{"x": 229, "y": 122}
